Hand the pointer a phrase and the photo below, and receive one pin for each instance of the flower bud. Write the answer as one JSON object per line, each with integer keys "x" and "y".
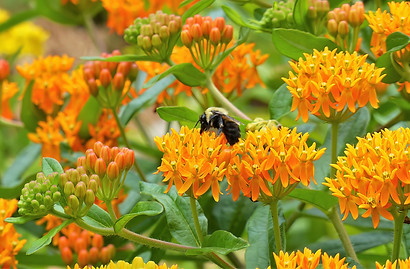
{"x": 80, "y": 190}
{"x": 227, "y": 34}
{"x": 146, "y": 30}
{"x": 312, "y": 13}
{"x": 67, "y": 255}
{"x": 198, "y": 19}
{"x": 105, "y": 77}
{"x": 90, "y": 159}
{"x": 173, "y": 28}
{"x": 80, "y": 244}
{"x": 196, "y": 32}
{"x": 346, "y": 8}
{"x": 95, "y": 178}
{"x": 120, "y": 161}
{"x": 83, "y": 258}
{"x": 106, "y": 154}
{"x": 63, "y": 243}
{"x": 84, "y": 178}
{"x": 163, "y": 33}
{"x": 69, "y": 188}
{"x": 92, "y": 87}
{"x": 113, "y": 171}
{"x": 129, "y": 159}
{"x": 215, "y": 36}
{"x": 4, "y": 69}
{"x": 146, "y": 43}
{"x": 89, "y": 198}
{"x": 63, "y": 179}
{"x": 94, "y": 255}
{"x": 206, "y": 28}
{"x": 343, "y": 29}
{"x": 73, "y": 175}
{"x": 73, "y": 203}
{"x": 81, "y": 161}
{"x": 56, "y": 196}
{"x": 133, "y": 72}
{"x": 97, "y": 148}
{"x": 114, "y": 152}
{"x": 355, "y": 17}
{"x": 156, "y": 41}
{"x": 219, "y": 23}
{"x": 332, "y": 27}
{"x": 186, "y": 38}
{"x": 331, "y": 15}
{"x": 93, "y": 185}
{"x": 118, "y": 82}
{"x": 124, "y": 68}
{"x": 97, "y": 241}
{"x": 100, "y": 167}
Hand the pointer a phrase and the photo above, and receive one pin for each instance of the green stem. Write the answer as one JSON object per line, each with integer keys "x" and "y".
{"x": 98, "y": 230}
{"x": 89, "y": 25}
{"x": 335, "y": 130}
{"x": 111, "y": 210}
{"x": 334, "y": 217}
{"x": 398, "y": 233}
{"x": 60, "y": 214}
{"x": 221, "y": 98}
{"x": 143, "y": 130}
{"x": 192, "y": 202}
{"x": 11, "y": 123}
{"x": 353, "y": 43}
{"x": 276, "y": 229}
{"x": 219, "y": 261}
{"x": 124, "y": 137}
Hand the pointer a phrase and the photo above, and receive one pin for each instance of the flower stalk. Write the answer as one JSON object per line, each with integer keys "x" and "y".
{"x": 192, "y": 202}
{"x": 398, "y": 232}
{"x": 276, "y": 228}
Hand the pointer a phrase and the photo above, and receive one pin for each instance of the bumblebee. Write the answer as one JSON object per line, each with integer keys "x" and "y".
{"x": 216, "y": 119}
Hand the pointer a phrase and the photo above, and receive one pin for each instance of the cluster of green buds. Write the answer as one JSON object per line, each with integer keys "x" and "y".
{"x": 260, "y": 124}
{"x": 111, "y": 165}
{"x": 4, "y": 70}
{"x": 155, "y": 35}
{"x": 206, "y": 39}
{"x": 38, "y": 196}
{"x": 279, "y": 16}
{"x": 316, "y": 15}
{"x": 339, "y": 20}
{"x": 107, "y": 80}
{"x": 79, "y": 191}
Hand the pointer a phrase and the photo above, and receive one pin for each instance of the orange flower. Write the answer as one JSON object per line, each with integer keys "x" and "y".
{"x": 332, "y": 85}
{"x": 383, "y": 24}
{"x": 374, "y": 175}
{"x": 330, "y": 262}
{"x": 10, "y": 245}
{"x": 403, "y": 264}
{"x": 48, "y": 74}
{"x": 8, "y": 90}
{"x": 106, "y": 130}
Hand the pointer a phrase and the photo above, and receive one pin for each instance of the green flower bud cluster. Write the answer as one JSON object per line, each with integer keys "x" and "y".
{"x": 279, "y": 16}
{"x": 79, "y": 191}
{"x": 155, "y": 35}
{"x": 260, "y": 124}
{"x": 38, "y": 196}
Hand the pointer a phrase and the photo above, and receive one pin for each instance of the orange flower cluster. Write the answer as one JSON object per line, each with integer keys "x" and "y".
{"x": 122, "y": 13}
{"x": 374, "y": 175}
{"x": 398, "y": 264}
{"x": 49, "y": 75}
{"x": 238, "y": 71}
{"x": 383, "y": 24}
{"x": 196, "y": 162}
{"x": 8, "y": 90}
{"x": 309, "y": 260}
{"x": 332, "y": 85}
{"x": 10, "y": 245}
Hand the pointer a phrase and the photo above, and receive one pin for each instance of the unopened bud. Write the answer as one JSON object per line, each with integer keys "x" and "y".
{"x": 100, "y": 167}
{"x": 92, "y": 87}
{"x": 120, "y": 160}
{"x": 114, "y": 152}
{"x": 97, "y": 148}
{"x": 63, "y": 179}
{"x": 113, "y": 171}
{"x": 97, "y": 241}
{"x": 94, "y": 255}
{"x": 4, "y": 69}
{"x": 163, "y": 34}
{"x": 93, "y": 185}
{"x": 90, "y": 159}
{"x": 56, "y": 196}
{"x": 146, "y": 30}
{"x": 67, "y": 255}
{"x": 173, "y": 28}
{"x": 118, "y": 82}
{"x": 146, "y": 43}
{"x": 196, "y": 32}
{"x": 69, "y": 188}
{"x": 227, "y": 34}
{"x": 312, "y": 13}
{"x": 105, "y": 77}
{"x": 219, "y": 23}
{"x": 133, "y": 72}
{"x": 73, "y": 203}
{"x": 343, "y": 29}
{"x": 332, "y": 27}
{"x": 80, "y": 190}
{"x": 124, "y": 68}
{"x": 186, "y": 38}
{"x": 83, "y": 258}
{"x": 81, "y": 161}
{"x": 106, "y": 154}
{"x": 215, "y": 36}
{"x": 88, "y": 73}
{"x": 89, "y": 198}
{"x": 355, "y": 17}
{"x": 156, "y": 41}
{"x": 198, "y": 19}
{"x": 206, "y": 28}
{"x": 129, "y": 159}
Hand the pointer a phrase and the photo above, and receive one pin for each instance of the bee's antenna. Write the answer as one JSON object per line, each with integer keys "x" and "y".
{"x": 196, "y": 123}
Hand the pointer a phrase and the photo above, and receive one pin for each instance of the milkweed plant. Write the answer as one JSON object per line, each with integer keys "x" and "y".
{"x": 205, "y": 134}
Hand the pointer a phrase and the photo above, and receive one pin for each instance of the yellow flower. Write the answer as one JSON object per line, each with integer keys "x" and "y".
{"x": 332, "y": 86}
{"x": 402, "y": 264}
{"x": 374, "y": 175}
{"x": 137, "y": 263}
{"x": 27, "y": 36}
{"x": 10, "y": 245}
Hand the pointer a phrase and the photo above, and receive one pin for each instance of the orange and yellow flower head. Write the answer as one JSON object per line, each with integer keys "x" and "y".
{"x": 137, "y": 263}
{"x": 331, "y": 85}
{"x": 398, "y": 264}
{"x": 374, "y": 175}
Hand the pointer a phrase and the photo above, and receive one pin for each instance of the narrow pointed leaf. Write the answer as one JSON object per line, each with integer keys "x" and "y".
{"x": 146, "y": 208}
{"x": 20, "y": 219}
{"x": 196, "y": 8}
{"x": 98, "y": 217}
{"x": 320, "y": 199}
{"x": 280, "y": 103}
{"x": 50, "y": 165}
{"x": 177, "y": 113}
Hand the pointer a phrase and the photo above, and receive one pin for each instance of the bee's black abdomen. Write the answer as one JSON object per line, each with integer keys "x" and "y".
{"x": 232, "y": 132}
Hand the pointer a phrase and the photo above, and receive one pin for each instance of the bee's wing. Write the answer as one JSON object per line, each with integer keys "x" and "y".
{"x": 228, "y": 118}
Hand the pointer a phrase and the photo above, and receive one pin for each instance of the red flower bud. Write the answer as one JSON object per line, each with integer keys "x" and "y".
{"x": 129, "y": 158}
{"x": 198, "y": 19}
{"x": 63, "y": 243}
{"x": 97, "y": 241}
{"x": 88, "y": 73}
{"x": 113, "y": 171}
{"x": 83, "y": 258}
{"x": 92, "y": 87}
{"x": 186, "y": 38}
{"x": 4, "y": 69}
{"x": 120, "y": 160}
{"x": 219, "y": 23}
{"x": 94, "y": 255}
{"x": 196, "y": 32}
{"x": 105, "y": 255}
{"x": 80, "y": 244}
{"x": 124, "y": 68}
{"x": 118, "y": 82}
{"x": 106, "y": 154}
{"x": 81, "y": 161}
{"x": 90, "y": 159}
{"x": 332, "y": 27}
{"x": 97, "y": 148}
{"x": 206, "y": 28}
{"x": 227, "y": 34}
{"x": 86, "y": 236}
{"x": 189, "y": 21}
{"x": 105, "y": 77}
{"x": 67, "y": 255}
{"x": 215, "y": 36}
{"x": 100, "y": 167}
{"x": 343, "y": 29}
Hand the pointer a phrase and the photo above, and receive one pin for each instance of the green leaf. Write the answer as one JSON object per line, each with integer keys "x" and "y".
{"x": 98, "y": 217}
{"x": 177, "y": 113}
{"x": 30, "y": 113}
{"x": 196, "y": 9}
{"x": 397, "y": 41}
{"x": 406, "y": 239}
{"x": 281, "y": 103}
{"x": 20, "y": 219}
{"x": 122, "y": 58}
{"x": 238, "y": 19}
{"x": 89, "y": 114}
{"x": 261, "y": 238}
{"x": 46, "y": 239}
{"x": 178, "y": 213}
{"x": 222, "y": 242}
{"x": 147, "y": 208}
{"x": 54, "y": 11}
{"x": 293, "y": 43}
{"x": 50, "y": 165}
{"x": 185, "y": 2}
{"x": 392, "y": 76}
{"x": 13, "y": 192}
{"x": 360, "y": 242}
{"x": 23, "y": 161}
{"x": 17, "y": 19}
{"x": 354, "y": 127}
{"x": 299, "y": 13}
{"x": 187, "y": 73}
{"x": 146, "y": 99}
{"x": 320, "y": 199}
